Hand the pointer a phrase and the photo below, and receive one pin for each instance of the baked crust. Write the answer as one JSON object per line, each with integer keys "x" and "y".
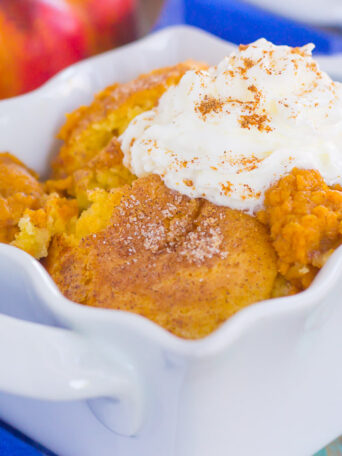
{"x": 19, "y": 190}
{"x": 184, "y": 263}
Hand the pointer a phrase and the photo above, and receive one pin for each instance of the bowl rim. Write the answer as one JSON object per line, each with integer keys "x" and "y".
{"x": 233, "y": 328}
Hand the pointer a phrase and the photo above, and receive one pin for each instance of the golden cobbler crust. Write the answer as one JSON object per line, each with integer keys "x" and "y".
{"x": 184, "y": 263}
{"x": 19, "y": 190}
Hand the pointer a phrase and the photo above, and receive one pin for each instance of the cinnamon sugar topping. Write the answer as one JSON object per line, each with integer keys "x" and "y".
{"x": 208, "y": 105}
{"x": 203, "y": 244}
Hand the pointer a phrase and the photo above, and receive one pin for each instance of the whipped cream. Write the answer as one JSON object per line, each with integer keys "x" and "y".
{"x": 228, "y": 133}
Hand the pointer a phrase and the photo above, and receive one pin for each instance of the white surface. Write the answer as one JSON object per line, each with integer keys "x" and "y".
{"x": 332, "y": 65}
{"x": 266, "y": 383}
{"x": 322, "y": 12}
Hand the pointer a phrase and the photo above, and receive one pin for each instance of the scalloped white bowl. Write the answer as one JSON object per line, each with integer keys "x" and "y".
{"x": 86, "y": 381}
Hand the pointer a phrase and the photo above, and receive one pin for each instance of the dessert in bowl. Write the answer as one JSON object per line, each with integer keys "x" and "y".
{"x": 190, "y": 192}
{"x": 271, "y": 366}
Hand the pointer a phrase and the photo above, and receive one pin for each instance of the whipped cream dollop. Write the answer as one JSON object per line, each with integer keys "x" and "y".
{"x": 229, "y": 132}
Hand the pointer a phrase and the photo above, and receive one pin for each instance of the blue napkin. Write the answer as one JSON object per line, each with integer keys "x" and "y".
{"x": 240, "y": 22}
{"x": 14, "y": 443}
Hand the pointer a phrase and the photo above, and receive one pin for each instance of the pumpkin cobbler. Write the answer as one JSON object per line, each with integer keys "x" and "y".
{"x": 190, "y": 192}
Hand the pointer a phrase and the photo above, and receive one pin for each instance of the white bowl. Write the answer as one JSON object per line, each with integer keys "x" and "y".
{"x": 267, "y": 382}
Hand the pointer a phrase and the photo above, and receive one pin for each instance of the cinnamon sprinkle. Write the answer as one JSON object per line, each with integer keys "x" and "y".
{"x": 255, "y": 120}
{"x": 246, "y": 163}
{"x": 227, "y": 188}
{"x": 188, "y": 182}
{"x": 248, "y": 63}
{"x": 202, "y": 244}
{"x": 209, "y": 104}
{"x": 298, "y": 51}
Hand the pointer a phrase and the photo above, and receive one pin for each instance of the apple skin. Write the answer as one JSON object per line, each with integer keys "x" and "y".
{"x": 110, "y": 21}
{"x": 10, "y": 55}
{"x": 38, "y": 38}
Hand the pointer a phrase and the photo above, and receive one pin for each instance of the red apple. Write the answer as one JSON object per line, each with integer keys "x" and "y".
{"x": 38, "y": 38}
{"x": 10, "y": 83}
{"x": 111, "y": 21}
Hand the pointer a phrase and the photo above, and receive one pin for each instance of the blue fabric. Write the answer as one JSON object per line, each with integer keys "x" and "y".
{"x": 240, "y": 22}
{"x": 13, "y": 443}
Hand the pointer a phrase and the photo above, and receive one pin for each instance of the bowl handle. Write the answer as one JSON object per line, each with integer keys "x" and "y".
{"x": 57, "y": 364}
